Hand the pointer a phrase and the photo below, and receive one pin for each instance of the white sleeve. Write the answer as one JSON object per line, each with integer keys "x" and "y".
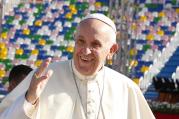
{"x": 15, "y": 100}
{"x": 138, "y": 107}
{"x": 20, "y": 109}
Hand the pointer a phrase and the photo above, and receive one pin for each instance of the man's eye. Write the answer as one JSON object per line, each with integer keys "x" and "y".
{"x": 96, "y": 45}
{"x": 80, "y": 42}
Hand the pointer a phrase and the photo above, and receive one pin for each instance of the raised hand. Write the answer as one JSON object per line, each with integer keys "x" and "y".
{"x": 38, "y": 82}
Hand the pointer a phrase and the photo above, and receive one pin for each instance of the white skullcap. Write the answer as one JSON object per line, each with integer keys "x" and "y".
{"x": 102, "y": 18}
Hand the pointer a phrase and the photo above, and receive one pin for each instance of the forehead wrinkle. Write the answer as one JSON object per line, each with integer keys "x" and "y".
{"x": 98, "y": 27}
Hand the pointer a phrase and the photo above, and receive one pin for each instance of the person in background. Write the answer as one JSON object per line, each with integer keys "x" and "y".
{"x": 17, "y": 74}
{"x": 81, "y": 88}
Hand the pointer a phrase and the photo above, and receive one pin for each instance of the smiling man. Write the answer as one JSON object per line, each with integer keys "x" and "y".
{"x": 93, "y": 45}
{"x": 81, "y": 88}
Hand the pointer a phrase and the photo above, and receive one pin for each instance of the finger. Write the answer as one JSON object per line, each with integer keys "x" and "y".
{"x": 41, "y": 80}
{"x": 42, "y": 67}
{"x": 44, "y": 79}
{"x": 47, "y": 75}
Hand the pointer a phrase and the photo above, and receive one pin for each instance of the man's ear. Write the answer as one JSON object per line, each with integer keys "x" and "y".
{"x": 114, "y": 48}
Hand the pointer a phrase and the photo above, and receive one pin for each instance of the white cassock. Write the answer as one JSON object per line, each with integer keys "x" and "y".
{"x": 69, "y": 95}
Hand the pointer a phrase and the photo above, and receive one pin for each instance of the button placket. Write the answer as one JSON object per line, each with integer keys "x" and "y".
{"x": 92, "y": 100}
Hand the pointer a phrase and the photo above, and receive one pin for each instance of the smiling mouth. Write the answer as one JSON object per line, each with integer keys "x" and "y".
{"x": 86, "y": 59}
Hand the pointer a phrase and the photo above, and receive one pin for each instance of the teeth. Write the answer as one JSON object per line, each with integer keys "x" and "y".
{"x": 86, "y": 59}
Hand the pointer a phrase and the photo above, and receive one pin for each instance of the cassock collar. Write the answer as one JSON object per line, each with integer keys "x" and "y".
{"x": 87, "y": 78}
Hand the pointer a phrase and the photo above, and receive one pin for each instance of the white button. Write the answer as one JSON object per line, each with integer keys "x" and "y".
{"x": 89, "y": 112}
{"x": 91, "y": 100}
{"x": 92, "y": 111}
{"x": 90, "y": 91}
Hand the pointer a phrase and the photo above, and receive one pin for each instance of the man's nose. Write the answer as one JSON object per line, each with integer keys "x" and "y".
{"x": 87, "y": 50}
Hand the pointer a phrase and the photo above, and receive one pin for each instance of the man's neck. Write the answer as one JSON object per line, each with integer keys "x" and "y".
{"x": 84, "y": 77}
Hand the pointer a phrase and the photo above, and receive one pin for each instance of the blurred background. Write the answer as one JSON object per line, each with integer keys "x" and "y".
{"x": 148, "y": 35}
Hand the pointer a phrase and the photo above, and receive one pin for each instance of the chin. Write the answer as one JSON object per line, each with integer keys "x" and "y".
{"x": 85, "y": 71}
{"x": 89, "y": 74}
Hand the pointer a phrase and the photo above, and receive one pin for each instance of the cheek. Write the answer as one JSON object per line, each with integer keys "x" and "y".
{"x": 98, "y": 57}
{"x": 103, "y": 57}
{"x": 76, "y": 52}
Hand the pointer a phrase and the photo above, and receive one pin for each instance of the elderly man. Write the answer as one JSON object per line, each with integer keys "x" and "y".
{"x": 81, "y": 88}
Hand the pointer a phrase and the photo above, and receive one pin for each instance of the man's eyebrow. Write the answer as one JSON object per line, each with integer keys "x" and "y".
{"x": 79, "y": 36}
{"x": 97, "y": 41}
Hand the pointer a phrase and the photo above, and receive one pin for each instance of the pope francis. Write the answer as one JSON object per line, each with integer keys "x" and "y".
{"x": 81, "y": 88}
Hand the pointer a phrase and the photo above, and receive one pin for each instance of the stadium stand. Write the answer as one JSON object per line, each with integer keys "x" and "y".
{"x": 155, "y": 62}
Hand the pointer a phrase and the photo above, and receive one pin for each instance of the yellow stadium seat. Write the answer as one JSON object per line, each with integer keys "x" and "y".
{"x": 136, "y": 80}
{"x": 2, "y": 45}
{"x": 133, "y": 27}
{"x": 143, "y": 18}
{"x": 42, "y": 42}
{"x": 161, "y": 14}
{"x": 109, "y": 62}
{"x": 68, "y": 15}
{"x": 3, "y": 53}
{"x": 132, "y": 52}
{"x": 72, "y": 6}
{"x": 19, "y": 51}
{"x": 4, "y": 35}
{"x": 26, "y": 31}
{"x": 177, "y": 10}
{"x": 144, "y": 69}
{"x": 35, "y": 52}
{"x": 38, "y": 63}
{"x": 2, "y": 73}
{"x": 133, "y": 63}
{"x": 97, "y": 4}
{"x": 150, "y": 37}
{"x": 38, "y": 23}
{"x": 70, "y": 49}
{"x": 74, "y": 11}
{"x": 160, "y": 32}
